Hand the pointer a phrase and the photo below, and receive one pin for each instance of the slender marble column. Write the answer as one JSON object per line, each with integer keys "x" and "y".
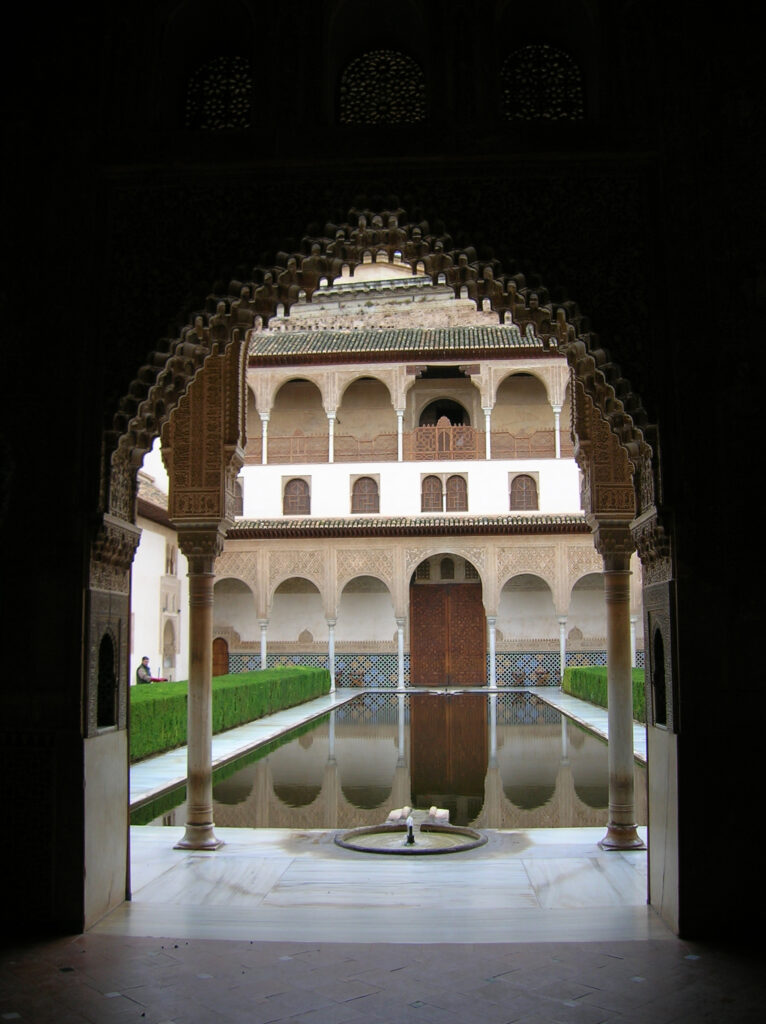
{"x": 264, "y": 438}
{"x": 331, "y": 437}
{"x": 633, "y": 621}
{"x": 621, "y": 831}
{"x": 562, "y": 646}
{"x": 400, "y": 653}
{"x": 200, "y": 833}
{"x": 331, "y": 652}
{"x": 487, "y": 434}
{"x": 557, "y": 429}
{"x": 492, "y": 624}
{"x": 399, "y": 435}
{"x": 400, "y": 730}
{"x": 264, "y": 624}
{"x": 493, "y": 727}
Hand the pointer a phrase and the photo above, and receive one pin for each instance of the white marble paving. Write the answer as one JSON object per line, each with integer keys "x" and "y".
{"x": 282, "y": 885}
{"x": 592, "y": 717}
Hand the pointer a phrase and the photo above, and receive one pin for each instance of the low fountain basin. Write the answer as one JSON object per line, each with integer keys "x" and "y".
{"x": 430, "y": 839}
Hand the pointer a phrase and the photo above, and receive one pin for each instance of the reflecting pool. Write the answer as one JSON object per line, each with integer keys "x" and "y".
{"x": 505, "y": 760}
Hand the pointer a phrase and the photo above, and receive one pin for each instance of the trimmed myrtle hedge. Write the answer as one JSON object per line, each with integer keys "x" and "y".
{"x": 590, "y": 684}
{"x": 158, "y": 712}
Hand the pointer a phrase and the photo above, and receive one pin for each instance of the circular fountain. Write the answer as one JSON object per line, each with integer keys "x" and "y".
{"x": 400, "y": 837}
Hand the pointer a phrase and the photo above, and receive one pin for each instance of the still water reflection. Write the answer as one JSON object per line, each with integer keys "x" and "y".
{"x": 504, "y": 760}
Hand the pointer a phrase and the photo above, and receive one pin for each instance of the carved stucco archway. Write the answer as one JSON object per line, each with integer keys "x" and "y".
{"x": 192, "y": 389}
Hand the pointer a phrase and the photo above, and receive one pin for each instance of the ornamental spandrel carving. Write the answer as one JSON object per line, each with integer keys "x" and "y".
{"x": 122, "y": 488}
{"x": 539, "y": 560}
{"x": 581, "y": 561}
{"x": 283, "y": 564}
{"x": 363, "y": 562}
{"x": 241, "y": 565}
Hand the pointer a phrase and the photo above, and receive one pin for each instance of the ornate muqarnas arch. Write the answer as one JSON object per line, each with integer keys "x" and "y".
{"x": 192, "y": 391}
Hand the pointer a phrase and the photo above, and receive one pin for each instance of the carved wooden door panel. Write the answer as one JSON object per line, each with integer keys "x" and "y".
{"x": 447, "y": 635}
{"x": 220, "y": 657}
{"x": 467, "y": 661}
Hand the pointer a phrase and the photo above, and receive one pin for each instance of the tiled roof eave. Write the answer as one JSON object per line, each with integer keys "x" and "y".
{"x": 406, "y": 526}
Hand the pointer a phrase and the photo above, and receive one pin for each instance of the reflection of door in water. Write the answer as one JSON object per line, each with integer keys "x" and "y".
{"x": 220, "y": 657}
{"x": 447, "y": 635}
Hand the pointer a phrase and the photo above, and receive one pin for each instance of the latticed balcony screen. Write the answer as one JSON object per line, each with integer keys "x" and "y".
{"x": 436, "y": 443}
{"x": 350, "y": 449}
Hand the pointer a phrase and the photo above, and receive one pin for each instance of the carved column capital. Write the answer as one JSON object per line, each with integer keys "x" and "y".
{"x": 614, "y": 542}
{"x": 201, "y": 544}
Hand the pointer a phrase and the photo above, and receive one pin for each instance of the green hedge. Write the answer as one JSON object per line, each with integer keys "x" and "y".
{"x": 158, "y": 712}
{"x": 590, "y": 684}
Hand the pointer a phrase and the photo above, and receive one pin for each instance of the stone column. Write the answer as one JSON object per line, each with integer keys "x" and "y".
{"x": 562, "y": 647}
{"x": 633, "y": 621}
{"x": 487, "y": 434}
{"x": 264, "y": 438}
{"x": 264, "y": 624}
{"x": 492, "y": 626}
{"x": 399, "y": 435}
{"x": 615, "y": 544}
{"x": 330, "y": 436}
{"x": 400, "y": 752}
{"x": 400, "y": 653}
{"x": 557, "y": 429}
{"x": 331, "y": 652}
{"x": 493, "y": 728}
{"x": 201, "y": 549}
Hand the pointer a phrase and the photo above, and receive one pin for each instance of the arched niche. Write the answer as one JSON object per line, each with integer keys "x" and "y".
{"x": 297, "y": 413}
{"x": 365, "y": 423}
{"x": 365, "y": 611}
{"x": 587, "y": 611}
{"x": 234, "y": 607}
{"x": 297, "y": 611}
{"x": 522, "y": 405}
{"x": 526, "y": 610}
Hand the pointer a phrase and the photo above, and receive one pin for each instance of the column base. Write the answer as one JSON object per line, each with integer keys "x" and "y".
{"x": 622, "y": 837}
{"x": 199, "y": 837}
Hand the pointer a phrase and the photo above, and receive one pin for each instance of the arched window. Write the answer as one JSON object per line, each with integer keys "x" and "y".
{"x": 523, "y": 493}
{"x": 541, "y": 83}
{"x": 457, "y": 494}
{"x": 431, "y": 494}
{"x": 659, "y": 692}
{"x": 364, "y": 495}
{"x": 447, "y": 569}
{"x": 106, "y": 699}
{"x": 297, "y": 499}
{"x": 382, "y": 87}
{"x": 219, "y": 95}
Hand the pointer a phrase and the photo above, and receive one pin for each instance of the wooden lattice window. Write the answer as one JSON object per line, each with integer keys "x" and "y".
{"x": 541, "y": 83}
{"x": 219, "y": 94}
{"x": 297, "y": 498}
{"x": 523, "y": 493}
{"x": 447, "y": 569}
{"x": 431, "y": 494}
{"x": 423, "y": 571}
{"x": 364, "y": 495}
{"x": 382, "y": 87}
{"x": 457, "y": 494}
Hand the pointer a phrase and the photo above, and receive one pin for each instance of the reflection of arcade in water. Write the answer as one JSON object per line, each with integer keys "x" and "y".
{"x": 504, "y": 760}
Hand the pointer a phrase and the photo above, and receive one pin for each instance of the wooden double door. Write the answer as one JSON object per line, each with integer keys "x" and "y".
{"x": 448, "y": 636}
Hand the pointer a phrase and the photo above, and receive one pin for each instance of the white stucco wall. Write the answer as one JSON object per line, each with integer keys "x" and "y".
{"x": 488, "y": 486}
{"x": 145, "y": 602}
